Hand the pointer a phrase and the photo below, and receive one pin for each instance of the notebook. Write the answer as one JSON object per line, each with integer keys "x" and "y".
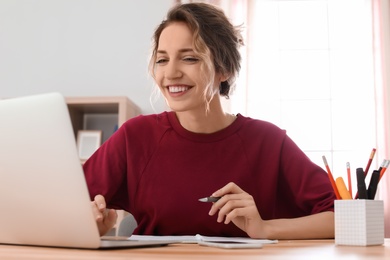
{"x": 43, "y": 194}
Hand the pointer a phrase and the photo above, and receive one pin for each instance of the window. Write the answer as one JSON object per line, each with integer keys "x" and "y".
{"x": 309, "y": 70}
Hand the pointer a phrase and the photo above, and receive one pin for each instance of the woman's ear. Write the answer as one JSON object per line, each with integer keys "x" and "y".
{"x": 223, "y": 78}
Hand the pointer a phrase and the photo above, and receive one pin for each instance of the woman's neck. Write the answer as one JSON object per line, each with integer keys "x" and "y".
{"x": 206, "y": 122}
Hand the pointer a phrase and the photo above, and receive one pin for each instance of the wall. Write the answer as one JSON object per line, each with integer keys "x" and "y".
{"x": 79, "y": 48}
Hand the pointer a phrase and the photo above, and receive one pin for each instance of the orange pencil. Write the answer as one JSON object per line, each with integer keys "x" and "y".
{"x": 349, "y": 179}
{"x": 336, "y": 192}
{"x": 386, "y": 164}
{"x": 342, "y": 189}
{"x": 369, "y": 161}
{"x": 383, "y": 164}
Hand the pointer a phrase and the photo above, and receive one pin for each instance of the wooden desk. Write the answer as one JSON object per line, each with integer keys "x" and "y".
{"x": 297, "y": 249}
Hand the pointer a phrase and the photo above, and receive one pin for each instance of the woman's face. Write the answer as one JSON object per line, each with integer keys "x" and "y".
{"x": 178, "y": 69}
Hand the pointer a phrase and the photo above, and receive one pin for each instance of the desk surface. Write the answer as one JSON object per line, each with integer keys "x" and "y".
{"x": 294, "y": 249}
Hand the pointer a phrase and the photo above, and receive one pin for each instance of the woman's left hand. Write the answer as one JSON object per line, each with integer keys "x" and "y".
{"x": 238, "y": 207}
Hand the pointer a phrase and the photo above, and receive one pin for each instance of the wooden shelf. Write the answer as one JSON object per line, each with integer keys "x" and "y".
{"x": 112, "y": 112}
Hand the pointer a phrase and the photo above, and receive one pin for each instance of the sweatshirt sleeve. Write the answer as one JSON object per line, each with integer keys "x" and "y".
{"x": 309, "y": 183}
{"x": 105, "y": 171}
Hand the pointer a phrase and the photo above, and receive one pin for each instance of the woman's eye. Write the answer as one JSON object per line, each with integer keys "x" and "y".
{"x": 160, "y": 61}
{"x": 191, "y": 59}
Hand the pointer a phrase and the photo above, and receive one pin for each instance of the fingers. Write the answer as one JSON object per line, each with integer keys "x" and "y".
{"x": 111, "y": 218}
{"x": 228, "y": 193}
{"x": 102, "y": 214}
{"x": 234, "y": 203}
{"x": 99, "y": 207}
{"x": 105, "y": 218}
{"x": 236, "y": 208}
{"x": 231, "y": 206}
{"x": 229, "y": 188}
{"x": 100, "y": 202}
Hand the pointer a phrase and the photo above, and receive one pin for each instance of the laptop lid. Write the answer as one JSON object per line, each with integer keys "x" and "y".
{"x": 43, "y": 194}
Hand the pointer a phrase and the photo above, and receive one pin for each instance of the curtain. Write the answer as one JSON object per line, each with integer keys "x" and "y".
{"x": 381, "y": 24}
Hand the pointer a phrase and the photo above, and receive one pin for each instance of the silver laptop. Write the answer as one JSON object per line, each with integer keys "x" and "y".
{"x": 44, "y": 199}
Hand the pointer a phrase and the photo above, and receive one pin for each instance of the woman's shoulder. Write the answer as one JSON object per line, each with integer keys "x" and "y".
{"x": 146, "y": 125}
{"x": 253, "y": 124}
{"x": 147, "y": 120}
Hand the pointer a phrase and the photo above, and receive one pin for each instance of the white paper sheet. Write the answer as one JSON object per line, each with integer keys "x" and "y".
{"x": 195, "y": 239}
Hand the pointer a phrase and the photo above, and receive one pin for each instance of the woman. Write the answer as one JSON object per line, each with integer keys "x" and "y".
{"x": 158, "y": 166}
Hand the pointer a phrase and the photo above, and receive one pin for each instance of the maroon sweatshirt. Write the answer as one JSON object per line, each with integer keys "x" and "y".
{"x": 155, "y": 169}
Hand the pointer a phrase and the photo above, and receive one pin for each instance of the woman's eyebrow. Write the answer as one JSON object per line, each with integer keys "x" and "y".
{"x": 180, "y": 51}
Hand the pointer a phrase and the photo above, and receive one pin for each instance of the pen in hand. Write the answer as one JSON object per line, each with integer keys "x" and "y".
{"x": 209, "y": 199}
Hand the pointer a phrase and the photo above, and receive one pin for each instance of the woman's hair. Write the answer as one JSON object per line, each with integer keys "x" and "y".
{"x": 216, "y": 42}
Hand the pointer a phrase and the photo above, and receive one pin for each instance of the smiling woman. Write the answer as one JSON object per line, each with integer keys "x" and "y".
{"x": 267, "y": 186}
{"x": 177, "y": 71}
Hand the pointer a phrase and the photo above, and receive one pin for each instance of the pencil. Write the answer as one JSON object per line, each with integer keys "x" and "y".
{"x": 386, "y": 164}
{"x": 332, "y": 182}
{"x": 367, "y": 167}
{"x": 349, "y": 179}
{"x": 382, "y": 165}
{"x": 369, "y": 161}
{"x": 340, "y": 184}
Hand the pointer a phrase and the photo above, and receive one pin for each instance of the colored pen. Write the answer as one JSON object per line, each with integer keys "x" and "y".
{"x": 373, "y": 185}
{"x": 349, "y": 179}
{"x": 382, "y": 165}
{"x": 332, "y": 182}
{"x": 367, "y": 167}
{"x": 340, "y": 184}
{"x": 362, "y": 191}
{"x": 209, "y": 199}
{"x": 369, "y": 161}
{"x": 382, "y": 171}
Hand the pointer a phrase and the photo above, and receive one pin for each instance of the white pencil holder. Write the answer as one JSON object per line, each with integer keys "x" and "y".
{"x": 359, "y": 222}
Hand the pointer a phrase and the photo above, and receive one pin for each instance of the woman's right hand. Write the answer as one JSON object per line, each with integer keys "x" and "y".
{"x": 105, "y": 218}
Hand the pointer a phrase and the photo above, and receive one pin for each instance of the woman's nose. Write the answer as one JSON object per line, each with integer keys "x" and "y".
{"x": 172, "y": 70}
